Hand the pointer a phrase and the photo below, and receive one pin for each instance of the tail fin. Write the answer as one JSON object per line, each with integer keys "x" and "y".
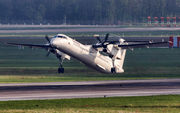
{"x": 123, "y": 54}
{"x": 119, "y": 61}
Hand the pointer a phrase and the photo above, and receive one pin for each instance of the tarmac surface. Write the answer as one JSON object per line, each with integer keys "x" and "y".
{"x": 90, "y": 89}
{"x": 75, "y": 29}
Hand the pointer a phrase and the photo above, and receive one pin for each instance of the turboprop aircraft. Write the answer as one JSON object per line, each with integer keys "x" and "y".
{"x": 105, "y": 56}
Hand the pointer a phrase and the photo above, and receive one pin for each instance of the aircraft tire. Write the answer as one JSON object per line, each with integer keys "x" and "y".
{"x": 60, "y": 70}
{"x": 113, "y": 70}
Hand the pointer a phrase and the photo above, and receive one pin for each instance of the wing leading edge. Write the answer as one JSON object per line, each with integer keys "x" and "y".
{"x": 31, "y": 45}
{"x": 141, "y": 45}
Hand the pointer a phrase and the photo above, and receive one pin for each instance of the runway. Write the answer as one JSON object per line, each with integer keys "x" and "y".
{"x": 90, "y": 89}
{"x": 86, "y": 29}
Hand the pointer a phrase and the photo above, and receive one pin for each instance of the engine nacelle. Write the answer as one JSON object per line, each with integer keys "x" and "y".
{"x": 114, "y": 51}
{"x": 63, "y": 55}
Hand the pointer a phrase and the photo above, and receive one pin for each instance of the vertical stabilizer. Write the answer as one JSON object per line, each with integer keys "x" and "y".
{"x": 123, "y": 54}
{"x": 119, "y": 61}
{"x": 120, "y": 57}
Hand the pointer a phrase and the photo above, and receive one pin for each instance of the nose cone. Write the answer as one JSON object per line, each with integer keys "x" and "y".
{"x": 55, "y": 43}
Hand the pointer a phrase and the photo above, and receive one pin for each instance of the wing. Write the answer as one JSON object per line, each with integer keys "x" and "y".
{"x": 31, "y": 45}
{"x": 47, "y": 47}
{"x": 114, "y": 42}
{"x": 141, "y": 45}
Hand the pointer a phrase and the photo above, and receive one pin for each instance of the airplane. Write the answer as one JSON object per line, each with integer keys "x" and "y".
{"x": 105, "y": 56}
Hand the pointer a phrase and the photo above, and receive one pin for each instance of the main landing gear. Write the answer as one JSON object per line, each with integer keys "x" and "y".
{"x": 113, "y": 69}
{"x": 61, "y": 69}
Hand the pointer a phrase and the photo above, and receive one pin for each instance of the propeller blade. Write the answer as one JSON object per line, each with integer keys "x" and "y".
{"x": 48, "y": 53}
{"x": 107, "y": 35}
{"x": 102, "y": 43}
{"x": 47, "y": 38}
{"x": 99, "y": 39}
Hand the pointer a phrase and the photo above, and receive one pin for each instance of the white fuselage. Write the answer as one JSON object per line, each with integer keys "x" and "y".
{"x": 85, "y": 54}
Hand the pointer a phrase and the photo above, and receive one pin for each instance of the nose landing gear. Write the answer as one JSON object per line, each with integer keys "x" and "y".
{"x": 61, "y": 69}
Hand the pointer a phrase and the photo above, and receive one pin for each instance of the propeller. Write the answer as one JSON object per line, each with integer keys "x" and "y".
{"x": 51, "y": 48}
{"x": 102, "y": 43}
{"x": 47, "y": 38}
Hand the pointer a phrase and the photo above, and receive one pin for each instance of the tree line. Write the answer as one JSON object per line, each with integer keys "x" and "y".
{"x": 93, "y": 10}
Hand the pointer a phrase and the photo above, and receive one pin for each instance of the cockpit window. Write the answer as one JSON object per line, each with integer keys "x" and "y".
{"x": 59, "y": 36}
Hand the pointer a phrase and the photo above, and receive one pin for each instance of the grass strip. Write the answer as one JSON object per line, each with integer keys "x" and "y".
{"x": 167, "y": 103}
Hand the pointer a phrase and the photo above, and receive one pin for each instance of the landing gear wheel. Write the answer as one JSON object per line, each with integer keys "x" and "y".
{"x": 60, "y": 70}
{"x": 113, "y": 70}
